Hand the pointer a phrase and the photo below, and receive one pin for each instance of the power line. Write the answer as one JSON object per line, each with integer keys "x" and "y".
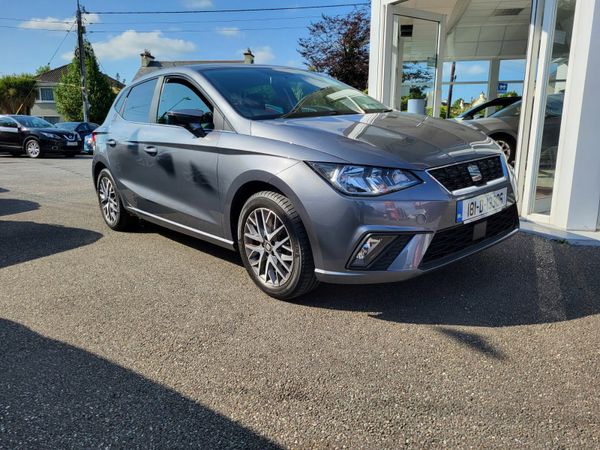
{"x": 198, "y": 31}
{"x": 61, "y": 42}
{"x": 160, "y": 22}
{"x": 213, "y": 11}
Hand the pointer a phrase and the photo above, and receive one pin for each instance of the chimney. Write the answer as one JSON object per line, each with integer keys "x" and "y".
{"x": 248, "y": 57}
{"x": 147, "y": 58}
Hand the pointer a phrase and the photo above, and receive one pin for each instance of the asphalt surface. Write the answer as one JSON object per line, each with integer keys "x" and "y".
{"x": 152, "y": 340}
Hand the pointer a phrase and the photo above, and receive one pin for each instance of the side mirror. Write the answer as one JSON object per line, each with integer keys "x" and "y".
{"x": 190, "y": 119}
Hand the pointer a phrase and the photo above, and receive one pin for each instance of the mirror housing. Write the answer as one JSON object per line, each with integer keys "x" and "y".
{"x": 190, "y": 119}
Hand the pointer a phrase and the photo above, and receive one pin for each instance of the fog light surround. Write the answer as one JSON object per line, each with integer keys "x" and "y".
{"x": 369, "y": 249}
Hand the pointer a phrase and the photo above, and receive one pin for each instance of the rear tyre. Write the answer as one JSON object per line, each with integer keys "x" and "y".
{"x": 33, "y": 148}
{"x": 111, "y": 206}
{"x": 274, "y": 246}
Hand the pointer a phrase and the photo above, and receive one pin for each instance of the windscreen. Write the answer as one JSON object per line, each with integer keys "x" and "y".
{"x": 270, "y": 93}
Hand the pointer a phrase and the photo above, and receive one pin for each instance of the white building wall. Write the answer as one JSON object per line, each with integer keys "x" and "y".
{"x": 576, "y": 200}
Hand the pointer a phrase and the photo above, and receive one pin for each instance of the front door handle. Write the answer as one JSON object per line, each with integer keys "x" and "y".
{"x": 151, "y": 150}
{"x": 111, "y": 142}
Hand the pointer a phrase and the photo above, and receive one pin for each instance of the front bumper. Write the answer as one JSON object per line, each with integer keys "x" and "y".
{"x": 60, "y": 146}
{"x": 424, "y": 216}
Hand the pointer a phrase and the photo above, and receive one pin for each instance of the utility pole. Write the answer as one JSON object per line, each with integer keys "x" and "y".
{"x": 80, "y": 31}
{"x": 452, "y": 79}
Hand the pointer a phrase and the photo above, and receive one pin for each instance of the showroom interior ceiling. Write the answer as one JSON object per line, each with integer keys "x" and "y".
{"x": 481, "y": 29}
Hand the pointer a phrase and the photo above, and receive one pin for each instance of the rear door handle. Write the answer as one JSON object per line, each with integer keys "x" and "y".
{"x": 151, "y": 150}
{"x": 111, "y": 142}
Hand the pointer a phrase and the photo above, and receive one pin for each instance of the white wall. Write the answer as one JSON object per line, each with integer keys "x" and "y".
{"x": 576, "y": 201}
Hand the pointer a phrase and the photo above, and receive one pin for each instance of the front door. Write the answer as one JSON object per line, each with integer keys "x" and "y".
{"x": 182, "y": 166}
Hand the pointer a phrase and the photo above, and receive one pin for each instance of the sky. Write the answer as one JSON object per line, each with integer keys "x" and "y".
{"x": 119, "y": 39}
{"x": 36, "y": 30}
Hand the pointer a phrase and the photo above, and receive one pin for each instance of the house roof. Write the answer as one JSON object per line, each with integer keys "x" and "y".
{"x": 156, "y": 65}
{"x": 54, "y": 76}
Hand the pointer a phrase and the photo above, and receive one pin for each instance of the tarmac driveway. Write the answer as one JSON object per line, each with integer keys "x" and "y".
{"x": 151, "y": 339}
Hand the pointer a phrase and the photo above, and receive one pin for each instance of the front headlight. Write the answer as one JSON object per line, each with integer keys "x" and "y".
{"x": 50, "y": 135}
{"x": 364, "y": 180}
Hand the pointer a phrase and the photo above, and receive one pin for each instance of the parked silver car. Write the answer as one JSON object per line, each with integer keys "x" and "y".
{"x": 308, "y": 178}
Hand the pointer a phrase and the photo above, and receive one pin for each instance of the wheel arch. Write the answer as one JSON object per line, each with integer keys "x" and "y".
{"x": 251, "y": 183}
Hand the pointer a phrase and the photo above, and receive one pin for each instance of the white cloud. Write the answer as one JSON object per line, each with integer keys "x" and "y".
{"x": 198, "y": 4}
{"x": 263, "y": 55}
{"x": 55, "y": 23}
{"x": 228, "y": 31}
{"x": 131, "y": 43}
{"x": 475, "y": 69}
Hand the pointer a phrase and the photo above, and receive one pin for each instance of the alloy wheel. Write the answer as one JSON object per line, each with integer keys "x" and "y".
{"x": 268, "y": 247}
{"x": 33, "y": 148}
{"x": 506, "y": 148}
{"x": 108, "y": 200}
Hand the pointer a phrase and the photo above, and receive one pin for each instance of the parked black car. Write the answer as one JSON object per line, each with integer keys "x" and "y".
{"x": 81, "y": 128}
{"x": 35, "y": 137}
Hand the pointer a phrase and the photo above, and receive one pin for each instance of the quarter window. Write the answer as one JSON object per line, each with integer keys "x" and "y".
{"x": 139, "y": 100}
{"x": 179, "y": 94}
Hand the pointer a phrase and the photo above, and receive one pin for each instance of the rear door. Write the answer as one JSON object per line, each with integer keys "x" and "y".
{"x": 130, "y": 164}
{"x": 9, "y": 133}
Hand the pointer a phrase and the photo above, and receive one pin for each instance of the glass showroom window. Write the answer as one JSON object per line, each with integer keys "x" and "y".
{"x": 469, "y": 85}
{"x": 512, "y": 73}
{"x": 553, "y": 94}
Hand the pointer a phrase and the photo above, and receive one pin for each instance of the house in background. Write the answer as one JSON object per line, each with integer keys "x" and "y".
{"x": 45, "y": 106}
{"x": 150, "y": 64}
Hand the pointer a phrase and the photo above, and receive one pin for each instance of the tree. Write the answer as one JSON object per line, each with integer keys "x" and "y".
{"x": 17, "y": 93}
{"x": 339, "y": 46}
{"x": 40, "y": 70}
{"x": 68, "y": 93}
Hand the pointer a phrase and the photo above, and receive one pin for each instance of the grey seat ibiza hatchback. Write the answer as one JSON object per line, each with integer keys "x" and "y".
{"x": 308, "y": 178}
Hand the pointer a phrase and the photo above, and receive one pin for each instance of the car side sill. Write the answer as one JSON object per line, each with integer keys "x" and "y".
{"x": 183, "y": 228}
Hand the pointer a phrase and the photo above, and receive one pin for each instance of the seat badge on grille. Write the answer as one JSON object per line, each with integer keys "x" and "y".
{"x": 474, "y": 172}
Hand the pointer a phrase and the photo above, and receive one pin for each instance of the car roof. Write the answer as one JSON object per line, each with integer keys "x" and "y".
{"x": 199, "y": 68}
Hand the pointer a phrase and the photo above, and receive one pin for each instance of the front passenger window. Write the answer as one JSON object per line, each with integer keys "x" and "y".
{"x": 178, "y": 94}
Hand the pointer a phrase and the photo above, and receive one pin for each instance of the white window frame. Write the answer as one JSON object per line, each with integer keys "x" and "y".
{"x": 382, "y": 53}
{"x": 39, "y": 95}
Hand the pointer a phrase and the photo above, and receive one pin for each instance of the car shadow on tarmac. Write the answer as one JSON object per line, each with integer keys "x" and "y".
{"x": 10, "y": 206}
{"x": 525, "y": 280}
{"x": 24, "y": 241}
{"x": 54, "y": 395}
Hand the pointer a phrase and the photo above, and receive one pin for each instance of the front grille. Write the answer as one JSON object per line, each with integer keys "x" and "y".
{"x": 459, "y": 238}
{"x": 457, "y": 176}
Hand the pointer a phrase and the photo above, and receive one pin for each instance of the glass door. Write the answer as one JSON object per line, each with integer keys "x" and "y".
{"x": 415, "y": 65}
{"x": 547, "y": 105}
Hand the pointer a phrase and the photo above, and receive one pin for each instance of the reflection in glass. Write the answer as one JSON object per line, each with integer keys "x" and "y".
{"x": 555, "y": 90}
{"x": 414, "y": 64}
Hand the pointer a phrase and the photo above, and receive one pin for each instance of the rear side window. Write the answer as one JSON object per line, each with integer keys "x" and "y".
{"x": 139, "y": 100}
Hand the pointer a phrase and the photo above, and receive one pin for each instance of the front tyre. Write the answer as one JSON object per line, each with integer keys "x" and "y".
{"x": 33, "y": 148}
{"x": 274, "y": 246}
{"x": 111, "y": 206}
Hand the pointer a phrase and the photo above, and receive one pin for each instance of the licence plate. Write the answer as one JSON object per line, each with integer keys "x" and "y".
{"x": 481, "y": 206}
{"x": 71, "y": 144}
